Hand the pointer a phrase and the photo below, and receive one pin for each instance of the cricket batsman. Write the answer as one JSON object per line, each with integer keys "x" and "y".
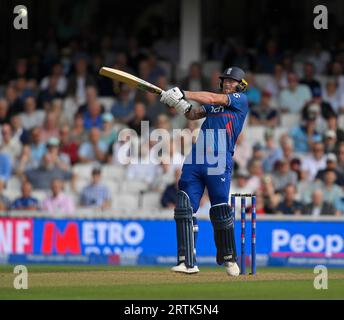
{"x": 209, "y": 164}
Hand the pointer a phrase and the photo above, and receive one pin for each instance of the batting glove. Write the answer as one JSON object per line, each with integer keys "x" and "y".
{"x": 172, "y": 96}
{"x": 183, "y": 106}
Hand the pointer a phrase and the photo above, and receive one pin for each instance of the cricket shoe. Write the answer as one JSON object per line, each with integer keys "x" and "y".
{"x": 232, "y": 269}
{"x": 182, "y": 268}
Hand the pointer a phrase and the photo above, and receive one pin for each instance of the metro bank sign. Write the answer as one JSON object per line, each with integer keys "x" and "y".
{"x": 41, "y": 236}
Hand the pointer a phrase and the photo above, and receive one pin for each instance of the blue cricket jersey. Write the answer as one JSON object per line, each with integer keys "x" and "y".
{"x": 221, "y": 128}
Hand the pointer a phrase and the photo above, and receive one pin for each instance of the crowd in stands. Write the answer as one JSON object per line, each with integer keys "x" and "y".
{"x": 58, "y": 116}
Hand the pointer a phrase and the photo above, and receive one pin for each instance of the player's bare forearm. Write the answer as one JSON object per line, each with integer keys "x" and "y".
{"x": 196, "y": 113}
{"x": 205, "y": 97}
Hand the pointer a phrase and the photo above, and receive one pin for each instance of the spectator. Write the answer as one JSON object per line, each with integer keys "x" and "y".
{"x": 330, "y": 141}
{"x": 286, "y": 150}
{"x": 264, "y": 114}
{"x": 336, "y": 71}
{"x": 332, "y": 96}
{"x": 8, "y": 144}
{"x": 37, "y": 146}
{"x": 155, "y": 70}
{"x": 163, "y": 122}
{"x": 48, "y": 95}
{"x": 91, "y": 97}
{"x": 31, "y": 117}
{"x": 340, "y": 154}
{"x": 260, "y": 208}
{"x": 25, "y": 162}
{"x": 94, "y": 149}
{"x": 308, "y": 78}
{"x": 318, "y": 206}
{"x": 79, "y": 81}
{"x": 4, "y": 112}
{"x": 243, "y": 152}
{"x": 164, "y": 177}
{"x": 5, "y": 203}
{"x": 18, "y": 131}
{"x": 314, "y": 162}
{"x": 295, "y": 166}
{"x": 240, "y": 184}
{"x": 26, "y": 201}
{"x": 256, "y": 173}
{"x": 61, "y": 80}
{"x": 195, "y": 81}
{"x": 5, "y": 166}
{"x": 293, "y": 98}
{"x": 154, "y": 106}
{"x": 56, "y": 106}
{"x": 93, "y": 116}
{"x": 314, "y": 109}
{"x": 139, "y": 116}
{"x": 58, "y": 201}
{"x": 271, "y": 152}
{"x": 178, "y": 120}
{"x": 270, "y": 197}
{"x": 317, "y": 104}
{"x": 50, "y": 127}
{"x": 169, "y": 196}
{"x": 289, "y": 205}
{"x": 269, "y": 58}
{"x": 283, "y": 176}
{"x": 15, "y": 103}
{"x": 305, "y": 135}
{"x": 278, "y": 82}
{"x": 67, "y": 145}
{"x": 144, "y": 170}
{"x": 96, "y": 194}
{"x": 108, "y": 134}
{"x": 332, "y": 191}
{"x": 257, "y": 153}
{"x": 253, "y": 94}
{"x": 332, "y": 124}
{"x": 60, "y": 159}
{"x": 144, "y": 69}
{"x": 123, "y": 108}
{"x": 319, "y": 58}
{"x": 78, "y": 133}
{"x": 41, "y": 177}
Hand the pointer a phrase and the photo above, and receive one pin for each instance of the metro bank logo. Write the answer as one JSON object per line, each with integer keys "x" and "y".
{"x": 70, "y": 237}
{"x": 61, "y": 242}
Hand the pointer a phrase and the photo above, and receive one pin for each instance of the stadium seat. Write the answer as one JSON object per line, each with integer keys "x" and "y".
{"x": 13, "y": 183}
{"x": 40, "y": 195}
{"x": 254, "y": 134}
{"x": 12, "y": 194}
{"x": 341, "y": 121}
{"x": 133, "y": 186}
{"x": 126, "y": 201}
{"x": 151, "y": 200}
{"x": 107, "y": 102}
{"x": 80, "y": 184}
{"x": 83, "y": 170}
{"x": 278, "y": 132}
{"x": 69, "y": 108}
{"x": 290, "y": 120}
{"x": 112, "y": 186}
{"x": 113, "y": 172}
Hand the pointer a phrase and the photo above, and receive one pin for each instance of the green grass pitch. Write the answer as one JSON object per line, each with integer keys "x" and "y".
{"x": 134, "y": 283}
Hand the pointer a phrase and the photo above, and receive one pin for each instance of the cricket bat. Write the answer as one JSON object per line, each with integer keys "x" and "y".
{"x": 129, "y": 79}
